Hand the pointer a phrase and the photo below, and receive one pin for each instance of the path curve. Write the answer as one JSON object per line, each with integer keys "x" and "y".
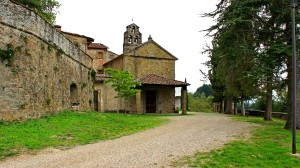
{"x": 157, "y": 147}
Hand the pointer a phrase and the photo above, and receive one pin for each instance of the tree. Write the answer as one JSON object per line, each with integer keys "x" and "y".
{"x": 258, "y": 30}
{"x": 123, "y": 83}
{"x": 206, "y": 89}
{"x": 200, "y": 103}
{"x": 232, "y": 52}
{"x": 45, "y": 8}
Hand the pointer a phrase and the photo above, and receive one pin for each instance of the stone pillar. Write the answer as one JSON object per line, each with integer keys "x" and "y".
{"x": 100, "y": 101}
{"x": 184, "y": 99}
{"x": 138, "y": 99}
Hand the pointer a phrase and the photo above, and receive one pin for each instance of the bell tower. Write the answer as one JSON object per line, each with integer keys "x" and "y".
{"x": 132, "y": 38}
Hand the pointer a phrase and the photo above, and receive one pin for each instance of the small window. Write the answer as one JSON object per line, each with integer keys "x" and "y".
{"x": 111, "y": 56}
{"x": 129, "y": 39}
{"x": 136, "y": 40}
{"x": 99, "y": 55}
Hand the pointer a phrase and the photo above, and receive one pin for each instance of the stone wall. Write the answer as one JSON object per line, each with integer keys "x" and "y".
{"x": 110, "y": 102}
{"x": 117, "y": 63}
{"x": 142, "y": 66}
{"x": 45, "y": 65}
{"x": 77, "y": 41}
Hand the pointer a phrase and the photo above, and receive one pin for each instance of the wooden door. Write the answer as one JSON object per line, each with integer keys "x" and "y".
{"x": 96, "y": 101}
{"x": 150, "y": 101}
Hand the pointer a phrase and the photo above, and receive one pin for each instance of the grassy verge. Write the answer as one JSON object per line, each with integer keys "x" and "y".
{"x": 269, "y": 146}
{"x": 68, "y": 129}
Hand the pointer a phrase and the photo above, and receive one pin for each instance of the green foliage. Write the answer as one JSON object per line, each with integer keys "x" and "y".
{"x": 251, "y": 48}
{"x": 42, "y": 47}
{"x": 122, "y": 82}
{"x": 24, "y": 38}
{"x": 206, "y": 89}
{"x": 50, "y": 48}
{"x": 269, "y": 146}
{"x": 83, "y": 85}
{"x": 55, "y": 68}
{"x": 45, "y": 8}
{"x": 200, "y": 103}
{"x": 93, "y": 74}
{"x": 59, "y": 52}
{"x": 68, "y": 129}
{"x": 278, "y": 105}
{"x": 7, "y": 55}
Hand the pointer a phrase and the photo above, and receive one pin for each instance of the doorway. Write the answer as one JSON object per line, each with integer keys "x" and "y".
{"x": 96, "y": 101}
{"x": 150, "y": 101}
{"x": 74, "y": 94}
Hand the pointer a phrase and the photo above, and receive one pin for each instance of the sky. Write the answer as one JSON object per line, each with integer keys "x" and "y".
{"x": 174, "y": 24}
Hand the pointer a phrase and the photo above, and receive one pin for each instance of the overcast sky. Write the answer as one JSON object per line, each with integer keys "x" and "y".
{"x": 174, "y": 24}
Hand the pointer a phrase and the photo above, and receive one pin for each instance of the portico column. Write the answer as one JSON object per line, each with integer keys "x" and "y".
{"x": 184, "y": 99}
{"x": 138, "y": 100}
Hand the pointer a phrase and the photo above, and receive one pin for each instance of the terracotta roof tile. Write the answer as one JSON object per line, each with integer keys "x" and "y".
{"x": 153, "y": 79}
{"x": 89, "y": 39}
{"x": 100, "y": 61}
{"x": 97, "y": 46}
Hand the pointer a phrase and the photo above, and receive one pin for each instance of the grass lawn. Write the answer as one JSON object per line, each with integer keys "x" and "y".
{"x": 68, "y": 129}
{"x": 269, "y": 146}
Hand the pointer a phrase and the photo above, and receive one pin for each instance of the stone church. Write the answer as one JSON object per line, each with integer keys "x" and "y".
{"x": 150, "y": 64}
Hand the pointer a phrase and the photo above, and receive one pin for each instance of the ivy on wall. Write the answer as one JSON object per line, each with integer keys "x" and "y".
{"x": 7, "y": 55}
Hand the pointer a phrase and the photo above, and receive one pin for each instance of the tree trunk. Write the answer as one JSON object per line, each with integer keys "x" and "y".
{"x": 221, "y": 106}
{"x": 268, "y": 112}
{"x": 228, "y": 106}
{"x": 288, "y": 124}
{"x": 243, "y": 112}
{"x": 224, "y": 105}
{"x": 120, "y": 105}
{"x": 125, "y": 107}
{"x": 234, "y": 105}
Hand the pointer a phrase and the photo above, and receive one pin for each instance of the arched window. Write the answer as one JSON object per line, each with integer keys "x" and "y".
{"x": 74, "y": 94}
{"x": 136, "y": 39}
{"x": 129, "y": 39}
{"x": 133, "y": 29}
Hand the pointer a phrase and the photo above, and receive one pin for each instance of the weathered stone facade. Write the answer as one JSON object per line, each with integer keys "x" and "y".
{"x": 48, "y": 72}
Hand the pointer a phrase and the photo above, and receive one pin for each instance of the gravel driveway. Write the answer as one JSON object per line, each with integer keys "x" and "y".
{"x": 156, "y": 147}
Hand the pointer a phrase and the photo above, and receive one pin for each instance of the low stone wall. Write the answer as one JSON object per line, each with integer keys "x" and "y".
{"x": 44, "y": 66}
{"x": 262, "y": 113}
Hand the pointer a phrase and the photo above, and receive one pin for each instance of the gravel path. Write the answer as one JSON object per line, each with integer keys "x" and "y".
{"x": 156, "y": 147}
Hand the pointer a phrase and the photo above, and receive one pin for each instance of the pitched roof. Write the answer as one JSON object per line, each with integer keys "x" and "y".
{"x": 153, "y": 79}
{"x": 97, "y": 46}
{"x": 89, "y": 39}
{"x": 132, "y": 24}
{"x": 150, "y": 40}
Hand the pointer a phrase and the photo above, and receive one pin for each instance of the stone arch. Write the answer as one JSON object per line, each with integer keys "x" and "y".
{"x": 136, "y": 40}
{"x": 129, "y": 39}
{"x": 74, "y": 94}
